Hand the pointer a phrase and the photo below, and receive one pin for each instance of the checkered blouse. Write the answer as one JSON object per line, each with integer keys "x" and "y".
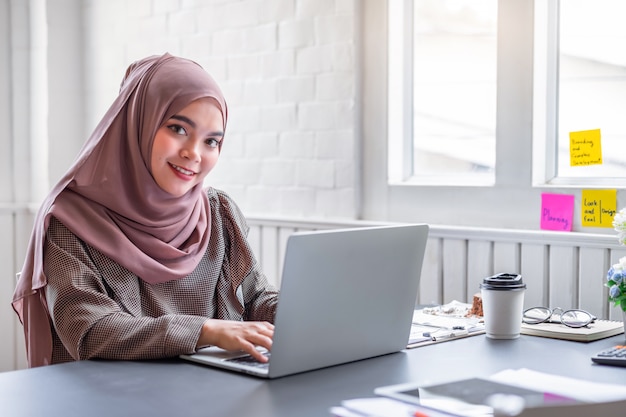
{"x": 99, "y": 309}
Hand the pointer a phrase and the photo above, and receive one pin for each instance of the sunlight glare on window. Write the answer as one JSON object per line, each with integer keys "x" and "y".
{"x": 592, "y": 83}
{"x": 454, "y": 88}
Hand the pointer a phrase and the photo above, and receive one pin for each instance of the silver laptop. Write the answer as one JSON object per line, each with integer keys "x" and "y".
{"x": 345, "y": 295}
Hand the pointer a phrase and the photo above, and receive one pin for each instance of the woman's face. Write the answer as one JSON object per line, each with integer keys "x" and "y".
{"x": 186, "y": 147}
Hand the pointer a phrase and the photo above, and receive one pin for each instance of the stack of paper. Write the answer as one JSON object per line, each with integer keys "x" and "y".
{"x": 514, "y": 395}
{"x": 441, "y": 323}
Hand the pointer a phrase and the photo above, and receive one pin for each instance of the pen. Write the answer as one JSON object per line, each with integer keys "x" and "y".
{"x": 455, "y": 331}
{"x": 450, "y": 335}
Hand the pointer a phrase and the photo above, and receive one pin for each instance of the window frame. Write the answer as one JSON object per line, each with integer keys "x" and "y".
{"x": 545, "y": 107}
{"x": 400, "y": 111}
{"x": 514, "y": 199}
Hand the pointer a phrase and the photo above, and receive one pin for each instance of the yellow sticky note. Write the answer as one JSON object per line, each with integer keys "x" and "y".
{"x": 585, "y": 148}
{"x": 598, "y": 208}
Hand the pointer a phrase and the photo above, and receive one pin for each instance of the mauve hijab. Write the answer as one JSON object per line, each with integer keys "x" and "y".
{"x": 109, "y": 199}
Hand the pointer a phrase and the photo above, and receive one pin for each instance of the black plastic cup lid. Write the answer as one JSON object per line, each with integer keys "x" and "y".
{"x": 503, "y": 282}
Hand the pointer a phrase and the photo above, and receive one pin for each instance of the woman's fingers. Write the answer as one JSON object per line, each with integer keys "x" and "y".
{"x": 238, "y": 335}
{"x": 259, "y": 335}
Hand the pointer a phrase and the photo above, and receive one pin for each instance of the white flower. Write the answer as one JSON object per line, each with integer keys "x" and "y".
{"x": 619, "y": 222}
{"x": 620, "y": 265}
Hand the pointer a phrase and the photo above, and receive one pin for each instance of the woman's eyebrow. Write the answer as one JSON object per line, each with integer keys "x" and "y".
{"x": 193, "y": 124}
{"x": 184, "y": 119}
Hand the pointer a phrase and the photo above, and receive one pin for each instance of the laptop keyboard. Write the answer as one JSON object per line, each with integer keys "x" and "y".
{"x": 250, "y": 361}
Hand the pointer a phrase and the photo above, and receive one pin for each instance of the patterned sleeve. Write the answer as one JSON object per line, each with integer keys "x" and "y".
{"x": 90, "y": 324}
{"x": 259, "y": 296}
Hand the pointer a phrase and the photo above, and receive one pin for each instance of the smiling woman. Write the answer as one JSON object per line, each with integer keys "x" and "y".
{"x": 186, "y": 147}
{"x": 130, "y": 258}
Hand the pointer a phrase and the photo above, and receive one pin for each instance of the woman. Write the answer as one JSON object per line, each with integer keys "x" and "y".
{"x": 130, "y": 258}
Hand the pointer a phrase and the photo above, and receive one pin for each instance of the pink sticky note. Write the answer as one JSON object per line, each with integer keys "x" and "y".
{"x": 557, "y": 211}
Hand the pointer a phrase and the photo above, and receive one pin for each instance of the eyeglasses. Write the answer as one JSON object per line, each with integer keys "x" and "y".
{"x": 572, "y": 318}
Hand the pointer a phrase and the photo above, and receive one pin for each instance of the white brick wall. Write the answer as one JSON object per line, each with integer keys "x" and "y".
{"x": 297, "y": 145}
{"x": 296, "y": 88}
{"x": 296, "y": 34}
{"x": 288, "y": 70}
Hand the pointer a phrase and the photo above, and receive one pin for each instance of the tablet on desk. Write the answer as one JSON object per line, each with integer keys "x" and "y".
{"x": 471, "y": 397}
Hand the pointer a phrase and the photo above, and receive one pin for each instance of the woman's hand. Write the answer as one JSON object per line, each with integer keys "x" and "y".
{"x": 237, "y": 335}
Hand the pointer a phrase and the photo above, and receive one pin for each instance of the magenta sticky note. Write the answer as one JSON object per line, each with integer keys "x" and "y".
{"x": 557, "y": 211}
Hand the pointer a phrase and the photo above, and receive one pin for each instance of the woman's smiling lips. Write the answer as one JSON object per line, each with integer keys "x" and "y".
{"x": 186, "y": 174}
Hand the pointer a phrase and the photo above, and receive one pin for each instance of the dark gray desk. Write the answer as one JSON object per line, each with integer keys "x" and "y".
{"x": 175, "y": 388}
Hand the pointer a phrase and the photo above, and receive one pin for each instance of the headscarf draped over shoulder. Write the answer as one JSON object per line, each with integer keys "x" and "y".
{"x": 109, "y": 199}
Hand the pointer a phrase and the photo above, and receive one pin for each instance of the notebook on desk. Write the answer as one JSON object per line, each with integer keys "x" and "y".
{"x": 345, "y": 295}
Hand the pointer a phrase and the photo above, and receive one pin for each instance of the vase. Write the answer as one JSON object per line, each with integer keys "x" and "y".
{"x": 624, "y": 321}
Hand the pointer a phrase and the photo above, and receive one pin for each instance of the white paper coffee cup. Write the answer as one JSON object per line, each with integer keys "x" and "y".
{"x": 503, "y": 305}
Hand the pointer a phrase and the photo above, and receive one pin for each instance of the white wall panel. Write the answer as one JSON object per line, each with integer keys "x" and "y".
{"x": 431, "y": 289}
{"x": 534, "y": 270}
{"x": 506, "y": 257}
{"x": 283, "y": 235}
{"x": 593, "y": 265}
{"x": 270, "y": 253}
{"x": 563, "y": 277}
{"x": 454, "y": 270}
{"x": 479, "y": 265}
{"x": 560, "y": 269}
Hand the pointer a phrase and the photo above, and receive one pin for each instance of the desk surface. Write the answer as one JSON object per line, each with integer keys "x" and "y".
{"x": 178, "y": 388}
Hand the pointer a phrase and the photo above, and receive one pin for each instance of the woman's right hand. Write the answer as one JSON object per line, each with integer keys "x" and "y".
{"x": 237, "y": 335}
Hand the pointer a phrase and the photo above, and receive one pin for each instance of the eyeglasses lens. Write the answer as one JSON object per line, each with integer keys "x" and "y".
{"x": 536, "y": 315}
{"x": 576, "y": 318}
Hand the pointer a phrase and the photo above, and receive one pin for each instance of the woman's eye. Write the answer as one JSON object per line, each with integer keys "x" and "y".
{"x": 213, "y": 143}
{"x": 178, "y": 129}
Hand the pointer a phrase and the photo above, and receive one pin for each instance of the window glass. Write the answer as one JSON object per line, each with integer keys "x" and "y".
{"x": 592, "y": 83}
{"x": 454, "y": 84}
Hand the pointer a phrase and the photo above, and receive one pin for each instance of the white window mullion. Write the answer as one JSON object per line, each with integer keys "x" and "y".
{"x": 514, "y": 93}
{"x": 545, "y": 105}
{"x": 400, "y": 108}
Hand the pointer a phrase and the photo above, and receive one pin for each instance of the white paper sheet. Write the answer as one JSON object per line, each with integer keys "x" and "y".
{"x": 579, "y": 389}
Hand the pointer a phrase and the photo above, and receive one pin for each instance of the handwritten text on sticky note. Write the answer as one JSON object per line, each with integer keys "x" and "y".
{"x": 585, "y": 148}
{"x": 557, "y": 211}
{"x": 598, "y": 207}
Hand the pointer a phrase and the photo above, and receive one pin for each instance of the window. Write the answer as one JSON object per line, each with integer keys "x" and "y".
{"x": 581, "y": 85}
{"x": 443, "y": 73}
{"x": 450, "y": 54}
{"x": 548, "y": 84}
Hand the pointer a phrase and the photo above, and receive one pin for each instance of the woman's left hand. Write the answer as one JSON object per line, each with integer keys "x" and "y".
{"x": 238, "y": 335}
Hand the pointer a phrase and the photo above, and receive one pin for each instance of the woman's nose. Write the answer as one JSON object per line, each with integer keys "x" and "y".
{"x": 190, "y": 151}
